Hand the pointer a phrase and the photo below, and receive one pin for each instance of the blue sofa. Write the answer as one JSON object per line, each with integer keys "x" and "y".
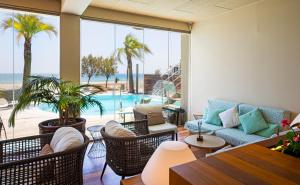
{"x": 236, "y": 136}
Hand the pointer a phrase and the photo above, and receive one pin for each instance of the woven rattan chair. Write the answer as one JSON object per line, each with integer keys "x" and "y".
{"x": 20, "y": 162}
{"x": 2, "y": 128}
{"x": 128, "y": 156}
{"x": 140, "y": 113}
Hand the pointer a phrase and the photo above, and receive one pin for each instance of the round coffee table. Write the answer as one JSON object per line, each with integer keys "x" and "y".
{"x": 209, "y": 142}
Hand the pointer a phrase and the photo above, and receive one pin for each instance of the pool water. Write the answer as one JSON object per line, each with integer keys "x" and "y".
{"x": 112, "y": 103}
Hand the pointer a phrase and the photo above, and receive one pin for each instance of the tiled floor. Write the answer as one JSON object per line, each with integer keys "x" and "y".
{"x": 93, "y": 167}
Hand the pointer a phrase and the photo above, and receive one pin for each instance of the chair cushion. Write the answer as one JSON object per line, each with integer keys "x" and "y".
{"x": 66, "y": 138}
{"x": 155, "y": 118}
{"x": 268, "y": 132}
{"x": 192, "y": 126}
{"x": 146, "y": 108}
{"x": 115, "y": 129}
{"x": 253, "y": 121}
{"x": 230, "y": 118}
{"x": 162, "y": 128}
{"x": 237, "y": 137}
{"x": 212, "y": 116}
{"x": 46, "y": 150}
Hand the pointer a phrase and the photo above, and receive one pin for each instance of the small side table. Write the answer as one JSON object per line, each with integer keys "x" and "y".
{"x": 209, "y": 142}
{"x": 97, "y": 150}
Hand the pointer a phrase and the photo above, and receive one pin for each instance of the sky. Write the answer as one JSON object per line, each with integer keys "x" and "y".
{"x": 97, "y": 38}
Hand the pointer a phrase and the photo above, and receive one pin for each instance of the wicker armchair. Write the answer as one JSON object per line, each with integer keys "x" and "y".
{"x": 2, "y": 128}
{"x": 20, "y": 162}
{"x": 128, "y": 156}
{"x": 140, "y": 112}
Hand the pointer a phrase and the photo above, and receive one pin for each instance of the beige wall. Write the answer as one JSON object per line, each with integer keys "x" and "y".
{"x": 250, "y": 55}
{"x": 70, "y": 47}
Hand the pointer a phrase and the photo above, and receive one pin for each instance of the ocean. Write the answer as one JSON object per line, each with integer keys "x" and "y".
{"x": 6, "y": 78}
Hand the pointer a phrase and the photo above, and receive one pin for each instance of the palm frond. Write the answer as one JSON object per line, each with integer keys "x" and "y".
{"x": 28, "y": 25}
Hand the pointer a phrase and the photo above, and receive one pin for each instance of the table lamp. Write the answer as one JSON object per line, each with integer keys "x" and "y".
{"x": 167, "y": 155}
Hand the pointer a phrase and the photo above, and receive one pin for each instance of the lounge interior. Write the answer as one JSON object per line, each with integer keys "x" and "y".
{"x": 149, "y": 92}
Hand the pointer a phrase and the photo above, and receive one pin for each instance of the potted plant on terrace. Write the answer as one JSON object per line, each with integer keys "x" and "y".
{"x": 64, "y": 97}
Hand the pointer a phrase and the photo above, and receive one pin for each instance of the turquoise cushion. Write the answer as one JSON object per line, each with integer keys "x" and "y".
{"x": 253, "y": 121}
{"x": 212, "y": 116}
{"x": 268, "y": 132}
{"x": 240, "y": 127}
{"x": 205, "y": 113}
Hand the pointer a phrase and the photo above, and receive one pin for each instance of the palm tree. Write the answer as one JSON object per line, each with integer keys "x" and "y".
{"x": 132, "y": 49}
{"x": 27, "y": 26}
{"x": 108, "y": 68}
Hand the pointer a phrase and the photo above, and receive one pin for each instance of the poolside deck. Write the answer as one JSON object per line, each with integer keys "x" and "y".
{"x": 27, "y": 121}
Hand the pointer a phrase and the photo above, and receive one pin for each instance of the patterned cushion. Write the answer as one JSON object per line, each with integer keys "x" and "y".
{"x": 221, "y": 104}
{"x": 192, "y": 126}
{"x": 237, "y": 137}
{"x": 271, "y": 115}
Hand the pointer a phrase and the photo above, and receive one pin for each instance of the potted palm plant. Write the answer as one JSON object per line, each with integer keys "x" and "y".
{"x": 64, "y": 97}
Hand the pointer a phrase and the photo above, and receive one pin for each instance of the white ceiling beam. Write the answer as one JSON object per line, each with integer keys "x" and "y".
{"x": 76, "y": 7}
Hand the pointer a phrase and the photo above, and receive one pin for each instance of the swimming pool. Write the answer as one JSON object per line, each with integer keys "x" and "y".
{"x": 112, "y": 103}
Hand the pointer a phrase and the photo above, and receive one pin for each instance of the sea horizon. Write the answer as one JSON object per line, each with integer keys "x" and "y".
{"x": 8, "y": 78}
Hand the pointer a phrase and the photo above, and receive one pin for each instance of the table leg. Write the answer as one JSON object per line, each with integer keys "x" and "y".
{"x": 177, "y": 118}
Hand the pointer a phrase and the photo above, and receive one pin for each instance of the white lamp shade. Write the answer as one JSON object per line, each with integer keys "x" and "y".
{"x": 167, "y": 155}
{"x": 296, "y": 121}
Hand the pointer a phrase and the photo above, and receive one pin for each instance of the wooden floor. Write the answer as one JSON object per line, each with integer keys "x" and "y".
{"x": 92, "y": 168}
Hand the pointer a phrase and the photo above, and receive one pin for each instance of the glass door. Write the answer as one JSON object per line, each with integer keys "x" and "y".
{"x": 24, "y": 53}
{"x": 98, "y": 67}
{"x": 130, "y": 57}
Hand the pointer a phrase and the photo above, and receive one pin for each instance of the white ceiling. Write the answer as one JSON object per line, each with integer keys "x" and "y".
{"x": 183, "y": 10}
{"x": 76, "y": 7}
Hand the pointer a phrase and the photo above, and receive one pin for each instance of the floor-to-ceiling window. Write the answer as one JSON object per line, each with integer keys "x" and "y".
{"x": 38, "y": 55}
{"x": 141, "y": 58}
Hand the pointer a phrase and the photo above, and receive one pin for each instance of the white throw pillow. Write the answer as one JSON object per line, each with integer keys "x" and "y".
{"x": 66, "y": 138}
{"x": 230, "y": 118}
{"x": 115, "y": 129}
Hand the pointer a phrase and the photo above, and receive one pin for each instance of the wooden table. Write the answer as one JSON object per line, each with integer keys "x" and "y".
{"x": 251, "y": 164}
{"x": 136, "y": 180}
{"x": 209, "y": 143}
